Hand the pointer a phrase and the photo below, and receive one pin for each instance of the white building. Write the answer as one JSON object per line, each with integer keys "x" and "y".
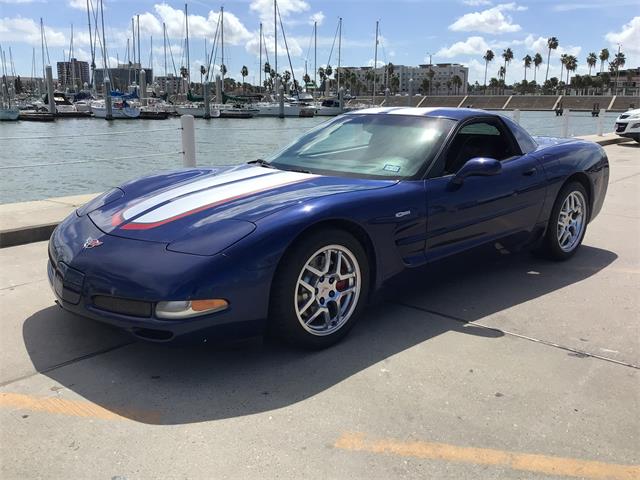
{"x": 442, "y": 73}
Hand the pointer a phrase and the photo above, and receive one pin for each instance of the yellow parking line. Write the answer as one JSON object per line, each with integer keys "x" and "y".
{"x": 483, "y": 456}
{"x": 73, "y": 408}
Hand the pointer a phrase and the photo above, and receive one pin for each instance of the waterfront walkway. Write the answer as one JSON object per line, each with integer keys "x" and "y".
{"x": 494, "y": 366}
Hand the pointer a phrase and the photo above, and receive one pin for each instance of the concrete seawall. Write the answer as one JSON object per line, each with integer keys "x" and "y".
{"x": 576, "y": 103}
{"x": 28, "y": 222}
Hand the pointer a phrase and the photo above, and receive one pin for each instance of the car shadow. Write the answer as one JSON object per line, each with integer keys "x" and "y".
{"x": 161, "y": 384}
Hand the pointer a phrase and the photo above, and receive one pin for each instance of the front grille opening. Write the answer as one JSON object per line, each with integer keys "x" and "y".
{"x": 123, "y": 306}
{"x": 153, "y": 334}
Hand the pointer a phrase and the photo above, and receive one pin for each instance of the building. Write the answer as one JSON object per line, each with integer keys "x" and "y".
{"x": 441, "y": 75}
{"x": 628, "y": 82}
{"x": 171, "y": 84}
{"x": 122, "y": 76}
{"x": 74, "y": 73}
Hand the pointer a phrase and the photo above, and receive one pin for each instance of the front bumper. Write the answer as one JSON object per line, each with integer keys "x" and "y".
{"x": 628, "y": 128}
{"x": 120, "y": 282}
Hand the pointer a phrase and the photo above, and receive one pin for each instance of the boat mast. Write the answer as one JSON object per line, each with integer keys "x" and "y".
{"x": 104, "y": 42}
{"x": 42, "y": 45}
{"x": 275, "y": 33}
{"x": 375, "y": 64}
{"x": 164, "y": 40}
{"x": 139, "y": 52}
{"x": 33, "y": 68}
{"x": 223, "y": 67}
{"x": 186, "y": 23}
{"x": 72, "y": 65}
{"x": 93, "y": 62}
{"x": 339, "y": 48}
{"x": 260, "y": 54}
{"x": 315, "y": 56}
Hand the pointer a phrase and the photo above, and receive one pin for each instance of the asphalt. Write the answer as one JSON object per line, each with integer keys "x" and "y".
{"x": 490, "y": 365}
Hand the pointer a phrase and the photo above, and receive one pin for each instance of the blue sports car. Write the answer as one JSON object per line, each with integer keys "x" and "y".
{"x": 296, "y": 243}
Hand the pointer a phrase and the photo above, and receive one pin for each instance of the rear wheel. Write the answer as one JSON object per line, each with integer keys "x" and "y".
{"x": 568, "y": 222}
{"x": 319, "y": 289}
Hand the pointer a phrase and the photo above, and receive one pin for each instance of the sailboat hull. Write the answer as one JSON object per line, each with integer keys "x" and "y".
{"x": 9, "y": 114}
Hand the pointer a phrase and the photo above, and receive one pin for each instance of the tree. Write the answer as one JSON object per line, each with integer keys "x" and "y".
{"x": 389, "y": 68}
{"x": 369, "y": 76}
{"x": 592, "y": 59}
{"x": 604, "y": 56}
{"x": 552, "y": 44}
{"x": 457, "y": 83}
{"x": 202, "y": 72}
{"x": 508, "y": 56}
{"x": 223, "y": 69}
{"x": 425, "y": 86}
{"x": 563, "y": 62}
{"x": 571, "y": 65}
{"x": 267, "y": 68}
{"x": 537, "y": 60}
{"x": 244, "y": 71}
{"x": 431, "y": 75}
{"x": 286, "y": 76}
{"x": 328, "y": 70}
{"x": 618, "y": 61}
{"x": 527, "y": 64}
{"x": 395, "y": 83}
{"x": 488, "y": 57}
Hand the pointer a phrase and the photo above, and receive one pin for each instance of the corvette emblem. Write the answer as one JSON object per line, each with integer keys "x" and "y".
{"x": 91, "y": 243}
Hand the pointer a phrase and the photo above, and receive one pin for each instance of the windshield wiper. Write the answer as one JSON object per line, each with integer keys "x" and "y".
{"x": 262, "y": 163}
{"x": 297, "y": 170}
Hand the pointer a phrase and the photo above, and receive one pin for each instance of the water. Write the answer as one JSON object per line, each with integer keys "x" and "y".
{"x": 117, "y": 158}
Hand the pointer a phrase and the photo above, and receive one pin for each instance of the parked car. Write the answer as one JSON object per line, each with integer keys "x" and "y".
{"x": 296, "y": 244}
{"x": 628, "y": 124}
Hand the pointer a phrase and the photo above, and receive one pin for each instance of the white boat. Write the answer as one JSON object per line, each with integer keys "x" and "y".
{"x": 329, "y": 107}
{"x": 196, "y": 109}
{"x": 269, "y": 109}
{"x": 9, "y": 114}
{"x": 119, "y": 110}
{"x": 83, "y": 106}
{"x": 237, "y": 110}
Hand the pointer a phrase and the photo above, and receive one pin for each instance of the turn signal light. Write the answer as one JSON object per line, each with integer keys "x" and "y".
{"x": 176, "y": 310}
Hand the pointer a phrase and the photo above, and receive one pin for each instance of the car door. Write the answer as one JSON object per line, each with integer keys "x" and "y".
{"x": 483, "y": 208}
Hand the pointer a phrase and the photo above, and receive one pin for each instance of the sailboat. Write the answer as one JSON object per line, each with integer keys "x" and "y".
{"x": 8, "y": 112}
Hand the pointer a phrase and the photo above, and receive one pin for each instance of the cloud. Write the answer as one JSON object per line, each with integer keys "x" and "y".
{"x": 379, "y": 64}
{"x": 471, "y": 46}
{"x": 476, "y": 3}
{"x": 253, "y": 46}
{"x": 264, "y": 9}
{"x": 316, "y": 17}
{"x": 493, "y": 20}
{"x": 149, "y": 24}
{"x": 79, "y": 4}
{"x": 628, "y": 36}
{"x": 15, "y": 2}
{"x": 235, "y": 33}
{"x": 20, "y": 29}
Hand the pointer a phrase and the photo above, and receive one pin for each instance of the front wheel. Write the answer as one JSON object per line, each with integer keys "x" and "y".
{"x": 568, "y": 222}
{"x": 319, "y": 289}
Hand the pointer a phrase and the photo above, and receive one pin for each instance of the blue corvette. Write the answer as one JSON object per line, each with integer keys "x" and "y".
{"x": 297, "y": 243}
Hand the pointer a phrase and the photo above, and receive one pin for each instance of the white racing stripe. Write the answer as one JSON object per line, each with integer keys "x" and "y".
{"x": 220, "y": 194}
{"x": 208, "y": 182}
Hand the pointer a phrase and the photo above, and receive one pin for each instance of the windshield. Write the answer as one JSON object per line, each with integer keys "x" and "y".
{"x": 388, "y": 146}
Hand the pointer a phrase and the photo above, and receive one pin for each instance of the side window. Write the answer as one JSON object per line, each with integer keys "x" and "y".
{"x": 478, "y": 139}
{"x": 526, "y": 142}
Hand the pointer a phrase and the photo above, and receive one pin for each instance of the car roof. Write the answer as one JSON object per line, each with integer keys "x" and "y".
{"x": 435, "y": 112}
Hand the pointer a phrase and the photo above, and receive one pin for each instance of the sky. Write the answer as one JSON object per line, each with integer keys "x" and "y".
{"x": 411, "y": 32}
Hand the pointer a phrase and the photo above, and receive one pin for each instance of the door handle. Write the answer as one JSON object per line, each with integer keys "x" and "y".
{"x": 530, "y": 172}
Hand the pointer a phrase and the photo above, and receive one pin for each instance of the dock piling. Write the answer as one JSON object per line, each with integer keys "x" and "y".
{"x": 600, "y": 131}
{"x": 107, "y": 98}
{"x": 143, "y": 87}
{"x": 52, "y": 103}
{"x": 206, "y": 89}
{"x": 341, "y": 98}
{"x": 410, "y": 97}
{"x": 281, "y": 101}
{"x": 188, "y": 141}
{"x": 565, "y": 123}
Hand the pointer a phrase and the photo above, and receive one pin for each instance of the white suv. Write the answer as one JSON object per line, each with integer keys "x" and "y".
{"x": 628, "y": 124}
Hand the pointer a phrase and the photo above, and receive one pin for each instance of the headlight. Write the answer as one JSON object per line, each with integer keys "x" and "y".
{"x": 180, "y": 309}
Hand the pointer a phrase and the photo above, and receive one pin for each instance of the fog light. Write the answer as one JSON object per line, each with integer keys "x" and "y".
{"x": 176, "y": 310}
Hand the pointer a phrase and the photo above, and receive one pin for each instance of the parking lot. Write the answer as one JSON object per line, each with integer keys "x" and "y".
{"x": 490, "y": 365}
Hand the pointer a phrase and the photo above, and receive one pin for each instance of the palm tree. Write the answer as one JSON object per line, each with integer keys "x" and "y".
{"x": 604, "y": 56}
{"x": 223, "y": 69}
{"x": 537, "y": 60}
{"x": 508, "y": 56}
{"x": 202, "y": 72}
{"x": 552, "y": 44}
{"x": 488, "y": 57}
{"x": 286, "y": 76}
{"x": 369, "y": 76}
{"x": 457, "y": 83}
{"x": 563, "y": 62}
{"x": 527, "y": 64}
{"x": 437, "y": 85}
{"x": 592, "y": 59}
{"x": 244, "y": 71}
{"x": 571, "y": 64}
{"x": 618, "y": 61}
{"x": 425, "y": 86}
{"x": 431, "y": 75}
{"x": 328, "y": 70}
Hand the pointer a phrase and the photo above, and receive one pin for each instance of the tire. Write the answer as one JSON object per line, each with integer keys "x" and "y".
{"x": 567, "y": 223}
{"x": 312, "y": 305}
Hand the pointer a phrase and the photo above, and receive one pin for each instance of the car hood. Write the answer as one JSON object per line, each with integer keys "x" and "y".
{"x": 170, "y": 206}
{"x": 628, "y": 114}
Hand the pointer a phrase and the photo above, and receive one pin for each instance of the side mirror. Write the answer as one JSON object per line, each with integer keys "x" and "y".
{"x": 479, "y": 166}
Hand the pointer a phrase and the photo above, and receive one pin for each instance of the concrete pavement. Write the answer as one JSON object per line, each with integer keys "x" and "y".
{"x": 483, "y": 366}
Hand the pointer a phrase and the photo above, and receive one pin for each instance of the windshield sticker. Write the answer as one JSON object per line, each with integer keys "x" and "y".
{"x": 392, "y": 168}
